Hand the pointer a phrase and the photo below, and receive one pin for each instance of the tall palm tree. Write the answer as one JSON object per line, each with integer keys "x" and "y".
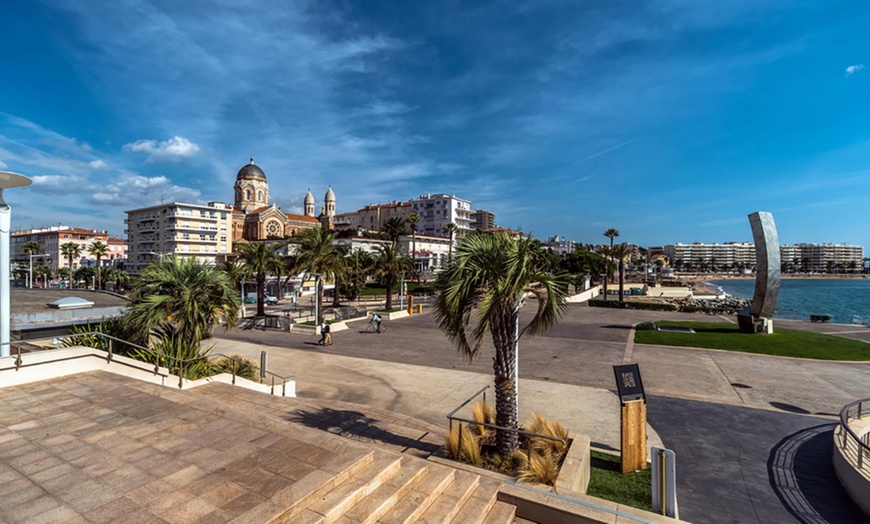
{"x": 32, "y": 248}
{"x": 620, "y": 253}
{"x": 611, "y": 234}
{"x": 316, "y": 254}
{"x": 359, "y": 265}
{"x": 394, "y": 227}
{"x": 71, "y": 250}
{"x": 450, "y": 229}
{"x": 413, "y": 220}
{"x": 190, "y": 296}
{"x": 99, "y": 250}
{"x": 260, "y": 257}
{"x": 479, "y": 292}
{"x": 389, "y": 264}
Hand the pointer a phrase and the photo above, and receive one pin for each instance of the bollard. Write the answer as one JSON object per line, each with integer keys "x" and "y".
{"x": 264, "y": 358}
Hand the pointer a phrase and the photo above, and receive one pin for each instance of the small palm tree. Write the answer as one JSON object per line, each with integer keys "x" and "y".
{"x": 43, "y": 271}
{"x": 479, "y": 292}
{"x": 394, "y": 227}
{"x": 191, "y": 296}
{"x": 389, "y": 263}
{"x": 260, "y": 257}
{"x": 316, "y": 254}
{"x": 71, "y": 250}
{"x": 611, "y": 234}
{"x": 359, "y": 265}
{"x": 99, "y": 250}
{"x": 413, "y": 220}
{"x": 450, "y": 229}
{"x": 237, "y": 271}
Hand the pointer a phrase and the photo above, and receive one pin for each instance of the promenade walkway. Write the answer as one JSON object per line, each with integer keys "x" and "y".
{"x": 726, "y": 414}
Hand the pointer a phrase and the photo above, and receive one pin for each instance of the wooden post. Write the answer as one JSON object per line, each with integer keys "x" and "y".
{"x": 633, "y": 435}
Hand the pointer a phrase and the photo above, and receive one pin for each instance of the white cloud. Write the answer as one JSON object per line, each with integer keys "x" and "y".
{"x": 98, "y": 165}
{"x": 172, "y": 150}
{"x": 852, "y": 69}
{"x": 3, "y": 165}
{"x": 136, "y": 190}
{"x": 55, "y": 184}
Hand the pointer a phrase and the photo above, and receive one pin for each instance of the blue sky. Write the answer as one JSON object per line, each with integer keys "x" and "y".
{"x": 668, "y": 120}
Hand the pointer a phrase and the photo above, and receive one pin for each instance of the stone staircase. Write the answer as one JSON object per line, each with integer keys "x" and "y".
{"x": 383, "y": 486}
{"x": 387, "y": 488}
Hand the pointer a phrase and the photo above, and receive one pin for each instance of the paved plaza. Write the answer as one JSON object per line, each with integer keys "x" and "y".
{"x": 725, "y": 414}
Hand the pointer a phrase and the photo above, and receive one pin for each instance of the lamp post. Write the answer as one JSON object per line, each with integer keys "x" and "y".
{"x": 7, "y": 181}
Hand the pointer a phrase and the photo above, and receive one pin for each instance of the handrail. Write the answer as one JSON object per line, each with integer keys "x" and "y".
{"x": 180, "y": 362}
{"x": 863, "y": 445}
{"x": 451, "y": 418}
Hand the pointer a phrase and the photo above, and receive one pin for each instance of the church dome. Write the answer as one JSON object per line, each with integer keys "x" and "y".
{"x": 251, "y": 172}
{"x": 330, "y": 196}
{"x": 309, "y": 198}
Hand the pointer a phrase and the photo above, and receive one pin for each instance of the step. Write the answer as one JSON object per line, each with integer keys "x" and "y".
{"x": 409, "y": 508}
{"x": 316, "y": 485}
{"x": 335, "y": 503}
{"x": 502, "y": 513}
{"x": 382, "y": 500}
{"x": 478, "y": 505}
{"x": 448, "y": 504}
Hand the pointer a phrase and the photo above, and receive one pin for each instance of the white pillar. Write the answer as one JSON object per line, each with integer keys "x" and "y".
{"x": 5, "y": 225}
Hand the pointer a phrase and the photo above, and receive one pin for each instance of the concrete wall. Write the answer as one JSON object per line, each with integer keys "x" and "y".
{"x": 855, "y": 482}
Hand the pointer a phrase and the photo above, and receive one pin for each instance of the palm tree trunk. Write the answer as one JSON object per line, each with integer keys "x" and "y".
{"x": 503, "y": 365}
{"x": 261, "y": 284}
{"x": 621, "y": 279}
{"x": 99, "y": 275}
{"x": 389, "y": 304}
{"x": 335, "y": 301}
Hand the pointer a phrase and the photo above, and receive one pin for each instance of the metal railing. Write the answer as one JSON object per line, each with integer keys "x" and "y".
{"x": 528, "y": 434}
{"x": 159, "y": 358}
{"x": 849, "y": 440}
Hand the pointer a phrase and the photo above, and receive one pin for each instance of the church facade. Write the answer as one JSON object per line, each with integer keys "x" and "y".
{"x": 254, "y": 218}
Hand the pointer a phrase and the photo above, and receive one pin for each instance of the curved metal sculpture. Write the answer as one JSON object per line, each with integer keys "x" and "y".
{"x": 767, "y": 275}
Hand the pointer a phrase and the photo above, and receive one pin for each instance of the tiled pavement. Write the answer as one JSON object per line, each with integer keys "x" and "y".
{"x": 97, "y": 447}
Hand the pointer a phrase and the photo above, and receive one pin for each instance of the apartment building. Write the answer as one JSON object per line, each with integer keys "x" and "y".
{"x": 436, "y": 211}
{"x": 50, "y": 239}
{"x": 822, "y": 257}
{"x": 203, "y": 232}
{"x": 697, "y": 254}
{"x": 373, "y": 216}
{"x": 482, "y": 220}
{"x": 430, "y": 252}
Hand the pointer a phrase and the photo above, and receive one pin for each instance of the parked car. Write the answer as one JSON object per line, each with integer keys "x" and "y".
{"x": 251, "y": 298}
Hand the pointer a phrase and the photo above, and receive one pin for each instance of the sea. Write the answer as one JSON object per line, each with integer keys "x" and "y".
{"x": 846, "y": 300}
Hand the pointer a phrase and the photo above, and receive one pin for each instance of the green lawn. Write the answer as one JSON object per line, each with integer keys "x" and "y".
{"x": 783, "y": 342}
{"x": 607, "y": 481}
{"x": 377, "y": 289}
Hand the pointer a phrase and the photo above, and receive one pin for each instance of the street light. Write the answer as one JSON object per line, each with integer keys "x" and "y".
{"x": 7, "y": 181}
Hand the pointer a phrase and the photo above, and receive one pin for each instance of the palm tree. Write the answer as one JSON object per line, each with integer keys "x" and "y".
{"x": 260, "y": 257}
{"x": 43, "y": 271}
{"x": 317, "y": 255}
{"x": 620, "y": 253}
{"x": 237, "y": 271}
{"x": 389, "y": 264}
{"x": 450, "y": 229}
{"x": 413, "y": 220}
{"x": 190, "y": 296}
{"x": 611, "y": 234}
{"x": 71, "y": 250}
{"x": 99, "y": 250}
{"x": 359, "y": 264}
{"x": 479, "y": 292}
{"x": 32, "y": 248}
{"x": 394, "y": 227}
{"x": 63, "y": 273}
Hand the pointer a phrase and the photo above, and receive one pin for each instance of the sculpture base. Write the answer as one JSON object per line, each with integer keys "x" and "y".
{"x": 752, "y": 324}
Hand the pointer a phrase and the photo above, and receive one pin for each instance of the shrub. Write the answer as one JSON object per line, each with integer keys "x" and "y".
{"x": 470, "y": 450}
{"x": 540, "y": 425}
{"x": 541, "y": 467}
{"x": 484, "y": 413}
{"x": 243, "y": 366}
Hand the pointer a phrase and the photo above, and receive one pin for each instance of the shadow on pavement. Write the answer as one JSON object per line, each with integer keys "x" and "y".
{"x": 789, "y": 407}
{"x": 802, "y": 476}
{"x": 356, "y": 425}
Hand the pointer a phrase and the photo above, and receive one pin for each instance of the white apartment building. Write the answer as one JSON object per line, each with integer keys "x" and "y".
{"x": 727, "y": 255}
{"x": 436, "y": 211}
{"x": 822, "y": 257}
{"x": 203, "y": 232}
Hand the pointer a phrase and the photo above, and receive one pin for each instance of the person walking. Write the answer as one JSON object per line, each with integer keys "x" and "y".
{"x": 324, "y": 329}
{"x": 328, "y": 341}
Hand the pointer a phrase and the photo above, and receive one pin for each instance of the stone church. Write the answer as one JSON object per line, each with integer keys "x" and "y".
{"x": 254, "y": 218}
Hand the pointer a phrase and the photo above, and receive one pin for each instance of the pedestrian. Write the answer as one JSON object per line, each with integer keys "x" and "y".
{"x": 328, "y": 341}
{"x": 323, "y": 330}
